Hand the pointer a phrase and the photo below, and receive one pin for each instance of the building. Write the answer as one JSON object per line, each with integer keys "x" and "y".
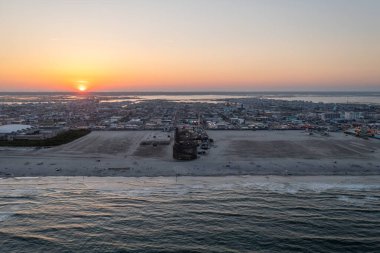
{"x": 330, "y": 116}
{"x": 352, "y": 115}
{"x": 185, "y": 145}
{"x": 9, "y": 132}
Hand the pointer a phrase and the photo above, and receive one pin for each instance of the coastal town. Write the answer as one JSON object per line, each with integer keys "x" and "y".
{"x": 42, "y": 117}
{"x": 129, "y": 135}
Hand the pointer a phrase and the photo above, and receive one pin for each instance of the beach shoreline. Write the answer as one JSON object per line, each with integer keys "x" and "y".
{"x": 276, "y": 153}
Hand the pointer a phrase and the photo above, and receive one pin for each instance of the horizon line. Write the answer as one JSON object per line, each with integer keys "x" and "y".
{"x": 198, "y": 91}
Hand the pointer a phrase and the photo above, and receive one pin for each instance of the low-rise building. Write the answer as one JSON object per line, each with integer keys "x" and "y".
{"x": 9, "y": 132}
{"x": 330, "y": 116}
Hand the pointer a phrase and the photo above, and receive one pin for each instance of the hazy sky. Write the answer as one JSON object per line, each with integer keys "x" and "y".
{"x": 189, "y": 45}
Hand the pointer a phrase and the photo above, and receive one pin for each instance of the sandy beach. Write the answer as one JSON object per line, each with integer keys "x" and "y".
{"x": 120, "y": 153}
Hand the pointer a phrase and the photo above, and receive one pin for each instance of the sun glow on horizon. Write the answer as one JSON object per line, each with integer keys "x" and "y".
{"x": 82, "y": 85}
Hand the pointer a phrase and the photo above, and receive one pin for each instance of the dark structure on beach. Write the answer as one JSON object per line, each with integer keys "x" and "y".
{"x": 185, "y": 145}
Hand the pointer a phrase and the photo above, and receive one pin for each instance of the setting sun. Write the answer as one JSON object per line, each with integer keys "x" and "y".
{"x": 82, "y": 88}
{"x": 82, "y": 85}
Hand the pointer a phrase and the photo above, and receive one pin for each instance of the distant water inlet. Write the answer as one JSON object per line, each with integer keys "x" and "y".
{"x": 187, "y": 214}
{"x": 197, "y": 97}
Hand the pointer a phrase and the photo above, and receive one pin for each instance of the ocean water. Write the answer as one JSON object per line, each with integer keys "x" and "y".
{"x": 373, "y": 99}
{"x": 190, "y": 214}
{"x": 205, "y": 97}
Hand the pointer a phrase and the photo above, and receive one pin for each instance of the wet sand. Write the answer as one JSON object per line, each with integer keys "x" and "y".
{"x": 120, "y": 153}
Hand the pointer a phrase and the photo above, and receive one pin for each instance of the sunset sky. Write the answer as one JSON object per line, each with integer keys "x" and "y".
{"x": 184, "y": 45}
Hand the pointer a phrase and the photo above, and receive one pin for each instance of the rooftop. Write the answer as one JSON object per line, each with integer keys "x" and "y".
{"x": 7, "y": 129}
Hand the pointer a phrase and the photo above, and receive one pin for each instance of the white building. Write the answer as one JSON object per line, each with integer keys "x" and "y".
{"x": 136, "y": 122}
{"x": 12, "y": 130}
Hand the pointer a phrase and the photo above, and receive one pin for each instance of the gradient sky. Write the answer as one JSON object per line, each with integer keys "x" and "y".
{"x": 182, "y": 45}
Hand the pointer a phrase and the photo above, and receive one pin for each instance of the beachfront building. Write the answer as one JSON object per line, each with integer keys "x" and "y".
{"x": 185, "y": 146}
{"x": 27, "y": 132}
{"x": 9, "y": 132}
